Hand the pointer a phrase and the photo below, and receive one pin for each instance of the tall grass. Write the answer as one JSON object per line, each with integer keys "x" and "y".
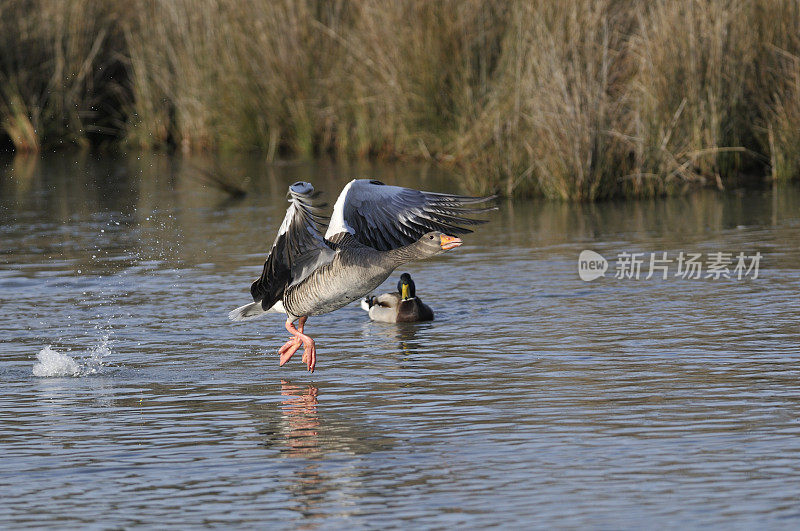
{"x": 62, "y": 78}
{"x": 573, "y": 100}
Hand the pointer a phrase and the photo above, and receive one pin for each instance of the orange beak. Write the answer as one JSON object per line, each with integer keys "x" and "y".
{"x": 449, "y": 242}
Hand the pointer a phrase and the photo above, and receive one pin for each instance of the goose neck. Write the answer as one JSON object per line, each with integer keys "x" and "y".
{"x": 406, "y": 254}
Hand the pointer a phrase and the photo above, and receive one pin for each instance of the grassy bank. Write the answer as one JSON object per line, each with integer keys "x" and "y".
{"x": 574, "y": 100}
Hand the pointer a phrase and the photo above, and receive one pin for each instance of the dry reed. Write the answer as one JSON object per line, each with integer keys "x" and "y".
{"x": 573, "y": 100}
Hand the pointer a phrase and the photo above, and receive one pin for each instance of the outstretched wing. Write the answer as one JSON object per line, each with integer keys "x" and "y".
{"x": 387, "y": 217}
{"x": 297, "y": 249}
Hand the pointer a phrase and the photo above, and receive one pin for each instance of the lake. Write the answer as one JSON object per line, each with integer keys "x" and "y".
{"x": 535, "y": 398}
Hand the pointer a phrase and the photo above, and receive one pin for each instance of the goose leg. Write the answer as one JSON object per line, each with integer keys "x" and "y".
{"x": 291, "y": 346}
{"x": 309, "y": 352}
{"x": 309, "y": 347}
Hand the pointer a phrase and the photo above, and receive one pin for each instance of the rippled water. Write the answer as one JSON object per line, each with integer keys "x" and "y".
{"x": 534, "y": 398}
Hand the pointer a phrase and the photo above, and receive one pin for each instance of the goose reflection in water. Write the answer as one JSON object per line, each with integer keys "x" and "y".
{"x": 298, "y": 429}
{"x": 299, "y": 413}
{"x": 306, "y": 436}
{"x": 308, "y": 485}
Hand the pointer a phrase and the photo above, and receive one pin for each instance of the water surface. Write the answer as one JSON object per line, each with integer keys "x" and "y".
{"x": 533, "y": 398}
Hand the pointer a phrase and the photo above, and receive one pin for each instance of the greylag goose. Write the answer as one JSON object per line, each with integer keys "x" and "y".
{"x": 401, "y": 306}
{"x": 374, "y": 228}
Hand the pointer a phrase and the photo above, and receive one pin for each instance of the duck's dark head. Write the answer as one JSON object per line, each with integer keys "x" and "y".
{"x": 405, "y": 287}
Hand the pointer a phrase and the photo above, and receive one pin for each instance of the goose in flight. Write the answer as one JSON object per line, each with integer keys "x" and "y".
{"x": 374, "y": 229}
{"x": 401, "y": 306}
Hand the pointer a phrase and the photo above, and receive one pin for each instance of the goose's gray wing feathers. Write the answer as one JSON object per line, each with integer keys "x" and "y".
{"x": 387, "y": 217}
{"x": 298, "y": 248}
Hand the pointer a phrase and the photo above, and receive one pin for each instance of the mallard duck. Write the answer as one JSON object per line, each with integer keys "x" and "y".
{"x": 401, "y": 306}
{"x": 374, "y": 228}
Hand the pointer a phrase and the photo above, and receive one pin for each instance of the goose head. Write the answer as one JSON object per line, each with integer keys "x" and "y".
{"x": 405, "y": 287}
{"x": 433, "y": 243}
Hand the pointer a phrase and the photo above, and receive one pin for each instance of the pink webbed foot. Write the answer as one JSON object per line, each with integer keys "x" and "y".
{"x": 310, "y": 354}
{"x": 288, "y": 349}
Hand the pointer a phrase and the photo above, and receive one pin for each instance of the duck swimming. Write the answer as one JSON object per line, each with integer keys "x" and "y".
{"x": 374, "y": 228}
{"x": 401, "y": 306}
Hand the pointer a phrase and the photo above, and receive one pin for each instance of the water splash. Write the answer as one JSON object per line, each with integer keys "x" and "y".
{"x": 52, "y": 363}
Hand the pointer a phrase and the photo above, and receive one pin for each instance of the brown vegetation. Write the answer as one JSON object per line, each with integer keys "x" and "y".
{"x": 573, "y": 100}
